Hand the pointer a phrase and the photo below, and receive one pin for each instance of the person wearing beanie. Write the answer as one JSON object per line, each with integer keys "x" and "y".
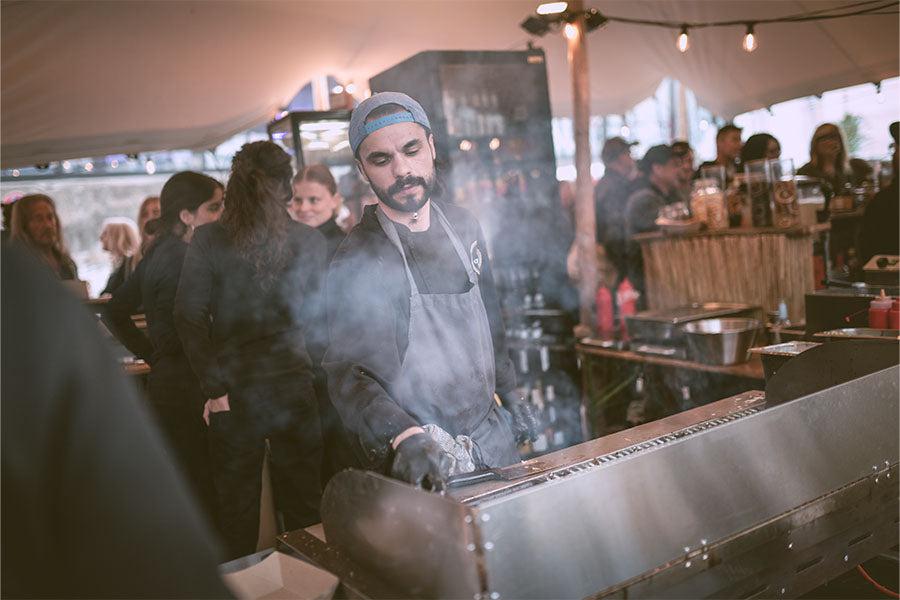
{"x": 417, "y": 350}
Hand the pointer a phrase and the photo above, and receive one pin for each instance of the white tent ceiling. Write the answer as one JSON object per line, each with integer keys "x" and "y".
{"x": 90, "y": 78}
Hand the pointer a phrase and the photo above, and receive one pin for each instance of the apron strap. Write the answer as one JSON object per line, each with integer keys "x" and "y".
{"x": 391, "y": 231}
{"x": 457, "y": 244}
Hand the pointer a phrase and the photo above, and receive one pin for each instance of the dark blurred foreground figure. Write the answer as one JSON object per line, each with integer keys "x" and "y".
{"x": 188, "y": 200}
{"x": 881, "y": 230}
{"x": 249, "y": 314}
{"x": 92, "y": 507}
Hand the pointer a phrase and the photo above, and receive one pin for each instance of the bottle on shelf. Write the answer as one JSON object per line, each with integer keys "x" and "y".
{"x": 541, "y": 443}
{"x": 879, "y": 311}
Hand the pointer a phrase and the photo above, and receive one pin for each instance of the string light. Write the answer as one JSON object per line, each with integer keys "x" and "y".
{"x": 750, "y": 43}
{"x": 684, "y": 41}
{"x": 549, "y": 16}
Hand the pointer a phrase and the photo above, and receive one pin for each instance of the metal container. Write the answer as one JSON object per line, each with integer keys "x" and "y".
{"x": 721, "y": 341}
{"x": 859, "y": 333}
{"x": 773, "y": 357}
{"x": 664, "y": 325}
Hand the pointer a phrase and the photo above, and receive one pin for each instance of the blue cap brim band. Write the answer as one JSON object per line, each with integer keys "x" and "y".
{"x": 380, "y": 123}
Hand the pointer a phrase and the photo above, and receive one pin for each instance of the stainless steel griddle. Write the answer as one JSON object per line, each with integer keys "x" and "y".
{"x": 733, "y": 499}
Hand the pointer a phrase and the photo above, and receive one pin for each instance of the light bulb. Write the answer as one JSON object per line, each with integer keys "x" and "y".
{"x": 750, "y": 43}
{"x": 552, "y": 8}
{"x": 570, "y": 31}
{"x": 351, "y": 88}
{"x": 338, "y": 89}
{"x": 684, "y": 41}
{"x": 150, "y": 167}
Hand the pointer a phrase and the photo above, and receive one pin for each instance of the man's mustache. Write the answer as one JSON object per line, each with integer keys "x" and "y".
{"x": 403, "y": 182}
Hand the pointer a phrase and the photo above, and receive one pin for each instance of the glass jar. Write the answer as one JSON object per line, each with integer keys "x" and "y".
{"x": 785, "y": 208}
{"x": 708, "y": 203}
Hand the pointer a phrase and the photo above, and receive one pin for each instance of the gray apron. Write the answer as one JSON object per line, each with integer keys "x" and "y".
{"x": 447, "y": 374}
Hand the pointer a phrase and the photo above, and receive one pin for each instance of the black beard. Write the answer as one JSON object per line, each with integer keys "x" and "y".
{"x": 412, "y": 205}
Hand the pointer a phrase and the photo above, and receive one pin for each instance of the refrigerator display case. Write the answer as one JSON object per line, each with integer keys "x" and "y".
{"x": 313, "y": 137}
{"x": 490, "y": 116}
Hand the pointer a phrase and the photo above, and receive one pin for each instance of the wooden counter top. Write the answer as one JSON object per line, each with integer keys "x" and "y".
{"x": 791, "y": 232}
{"x": 748, "y": 370}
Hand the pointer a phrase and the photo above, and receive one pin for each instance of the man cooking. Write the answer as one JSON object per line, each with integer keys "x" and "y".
{"x": 417, "y": 347}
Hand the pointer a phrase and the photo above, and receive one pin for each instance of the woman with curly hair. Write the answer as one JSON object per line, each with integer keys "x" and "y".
{"x": 248, "y": 311}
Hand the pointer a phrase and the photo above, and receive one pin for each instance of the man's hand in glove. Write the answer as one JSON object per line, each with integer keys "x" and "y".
{"x": 420, "y": 461}
{"x": 524, "y": 423}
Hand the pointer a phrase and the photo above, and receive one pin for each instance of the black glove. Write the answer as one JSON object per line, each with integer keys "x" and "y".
{"x": 524, "y": 424}
{"x": 420, "y": 461}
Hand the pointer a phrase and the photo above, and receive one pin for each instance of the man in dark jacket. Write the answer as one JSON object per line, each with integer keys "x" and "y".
{"x": 659, "y": 171}
{"x": 610, "y": 197}
{"x": 880, "y": 228}
{"x": 416, "y": 337}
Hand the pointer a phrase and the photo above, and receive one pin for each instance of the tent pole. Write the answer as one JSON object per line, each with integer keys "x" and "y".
{"x": 585, "y": 223}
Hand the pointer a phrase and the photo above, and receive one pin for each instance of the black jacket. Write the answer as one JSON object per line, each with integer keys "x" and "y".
{"x": 879, "y": 233}
{"x": 234, "y": 330}
{"x": 153, "y": 285}
{"x": 87, "y": 483}
{"x": 334, "y": 235}
{"x": 119, "y": 276}
{"x": 368, "y": 321}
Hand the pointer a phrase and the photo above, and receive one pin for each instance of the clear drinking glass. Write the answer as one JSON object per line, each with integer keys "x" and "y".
{"x": 785, "y": 208}
{"x": 759, "y": 192}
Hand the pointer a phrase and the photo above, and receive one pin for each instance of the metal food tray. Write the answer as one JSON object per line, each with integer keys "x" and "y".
{"x": 663, "y": 325}
{"x": 774, "y": 356}
{"x": 859, "y": 333}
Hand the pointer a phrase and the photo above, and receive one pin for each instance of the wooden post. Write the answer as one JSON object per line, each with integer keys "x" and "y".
{"x": 585, "y": 221}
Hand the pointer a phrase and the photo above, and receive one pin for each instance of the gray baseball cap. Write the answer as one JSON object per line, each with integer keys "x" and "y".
{"x": 360, "y": 130}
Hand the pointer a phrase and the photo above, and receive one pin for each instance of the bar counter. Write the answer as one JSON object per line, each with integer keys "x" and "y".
{"x": 758, "y": 266}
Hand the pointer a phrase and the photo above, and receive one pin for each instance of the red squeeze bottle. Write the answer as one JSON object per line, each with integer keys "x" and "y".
{"x": 878, "y": 311}
{"x": 894, "y": 315}
{"x": 605, "y": 319}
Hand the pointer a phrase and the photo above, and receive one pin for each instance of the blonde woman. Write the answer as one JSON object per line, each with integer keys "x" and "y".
{"x": 149, "y": 211}
{"x": 119, "y": 237}
{"x": 35, "y": 226}
{"x": 828, "y": 159}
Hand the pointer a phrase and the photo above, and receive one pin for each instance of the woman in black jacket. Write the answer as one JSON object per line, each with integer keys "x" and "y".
{"x": 248, "y": 311}
{"x": 188, "y": 200}
{"x": 315, "y": 202}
